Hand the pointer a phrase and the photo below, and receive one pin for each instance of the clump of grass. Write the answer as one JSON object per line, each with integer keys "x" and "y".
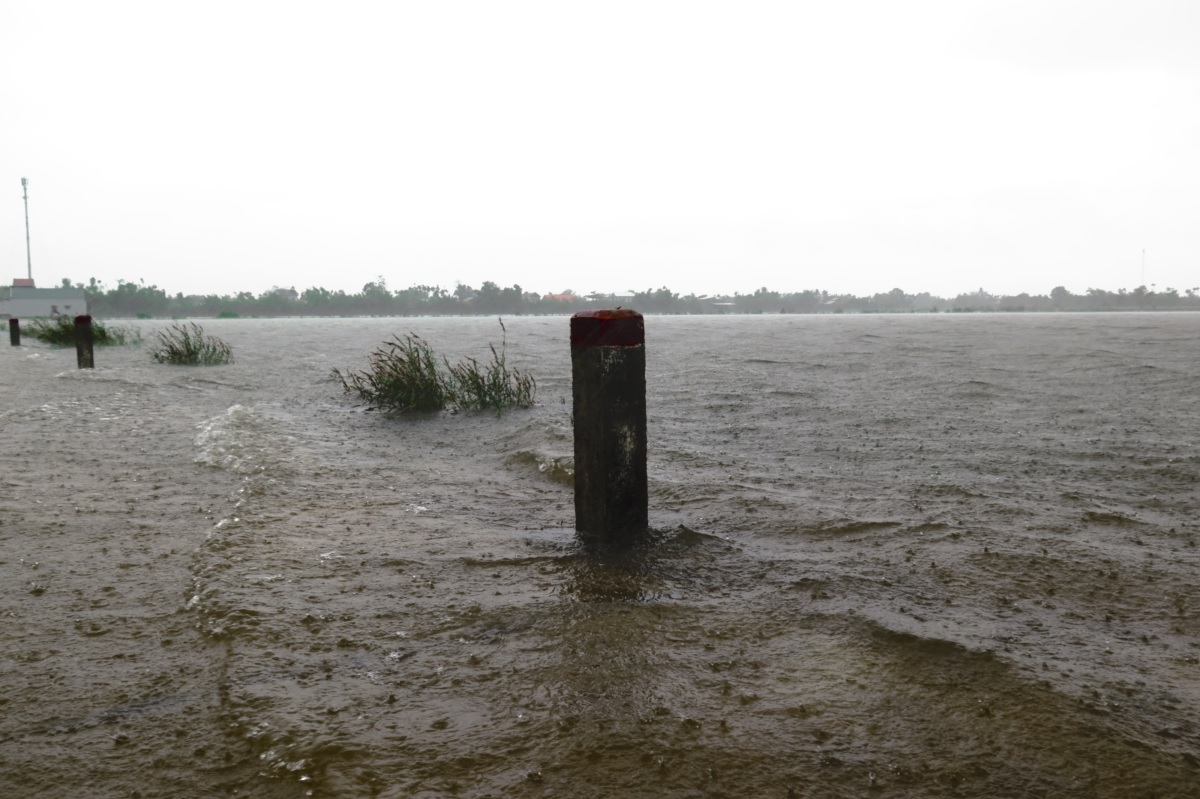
{"x": 59, "y": 331}
{"x": 189, "y": 345}
{"x": 401, "y": 376}
{"x": 495, "y": 386}
{"x": 404, "y": 376}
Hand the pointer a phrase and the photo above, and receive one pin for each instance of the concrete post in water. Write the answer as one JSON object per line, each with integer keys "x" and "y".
{"x": 14, "y": 332}
{"x": 608, "y": 371}
{"x": 83, "y": 342}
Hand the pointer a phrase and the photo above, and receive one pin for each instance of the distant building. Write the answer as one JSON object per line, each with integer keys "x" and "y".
{"x": 24, "y": 301}
{"x": 564, "y": 297}
{"x": 625, "y": 300}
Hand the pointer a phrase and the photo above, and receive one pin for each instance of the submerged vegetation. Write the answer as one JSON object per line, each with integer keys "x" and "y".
{"x": 59, "y": 331}
{"x": 491, "y": 387}
{"x": 404, "y": 376}
{"x": 188, "y": 345}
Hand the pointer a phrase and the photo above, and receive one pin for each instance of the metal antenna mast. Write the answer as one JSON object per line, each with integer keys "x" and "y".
{"x": 28, "y": 255}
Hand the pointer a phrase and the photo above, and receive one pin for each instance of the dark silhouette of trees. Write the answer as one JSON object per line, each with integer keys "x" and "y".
{"x": 129, "y": 299}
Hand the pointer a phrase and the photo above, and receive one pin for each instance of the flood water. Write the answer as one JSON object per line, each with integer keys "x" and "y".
{"x": 894, "y": 556}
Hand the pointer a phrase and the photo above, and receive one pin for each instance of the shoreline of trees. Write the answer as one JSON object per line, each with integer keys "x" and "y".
{"x": 130, "y": 299}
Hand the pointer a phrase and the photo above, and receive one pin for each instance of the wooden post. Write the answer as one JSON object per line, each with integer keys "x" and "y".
{"x": 14, "y": 332}
{"x": 608, "y": 370}
{"x": 84, "y": 342}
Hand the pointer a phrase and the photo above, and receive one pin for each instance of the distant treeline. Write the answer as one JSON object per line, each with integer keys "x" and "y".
{"x": 129, "y": 299}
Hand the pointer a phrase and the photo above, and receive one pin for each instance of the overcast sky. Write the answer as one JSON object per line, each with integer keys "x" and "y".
{"x": 853, "y": 146}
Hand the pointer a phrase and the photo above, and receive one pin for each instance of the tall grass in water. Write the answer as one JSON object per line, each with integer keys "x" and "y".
{"x": 59, "y": 331}
{"x": 495, "y": 386}
{"x": 401, "y": 376}
{"x": 189, "y": 345}
{"x": 404, "y": 376}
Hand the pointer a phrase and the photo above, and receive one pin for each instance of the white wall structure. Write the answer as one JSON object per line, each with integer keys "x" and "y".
{"x": 25, "y": 302}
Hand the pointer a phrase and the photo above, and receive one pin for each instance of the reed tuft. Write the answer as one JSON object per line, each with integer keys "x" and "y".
{"x": 492, "y": 387}
{"x": 59, "y": 331}
{"x": 189, "y": 345}
{"x": 403, "y": 376}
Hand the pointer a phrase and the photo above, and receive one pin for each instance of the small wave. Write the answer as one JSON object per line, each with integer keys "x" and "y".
{"x": 950, "y": 490}
{"x": 974, "y": 389}
{"x": 853, "y": 526}
{"x": 1106, "y": 517}
{"x": 241, "y": 441}
{"x": 917, "y": 642}
{"x": 227, "y": 441}
{"x": 203, "y": 383}
{"x": 559, "y": 468}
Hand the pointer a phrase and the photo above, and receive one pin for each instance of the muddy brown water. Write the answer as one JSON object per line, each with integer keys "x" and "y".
{"x": 895, "y": 556}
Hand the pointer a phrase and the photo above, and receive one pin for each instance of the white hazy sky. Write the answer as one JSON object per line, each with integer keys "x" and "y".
{"x": 853, "y": 146}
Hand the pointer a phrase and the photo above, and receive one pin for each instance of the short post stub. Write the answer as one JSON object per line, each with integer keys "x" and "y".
{"x": 608, "y": 371}
{"x": 84, "y": 342}
{"x": 14, "y": 332}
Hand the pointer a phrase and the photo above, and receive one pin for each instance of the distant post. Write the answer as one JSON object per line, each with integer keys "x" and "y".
{"x": 14, "y": 332}
{"x": 84, "y": 342}
{"x": 608, "y": 371}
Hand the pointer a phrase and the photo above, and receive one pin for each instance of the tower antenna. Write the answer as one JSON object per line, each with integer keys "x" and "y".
{"x": 28, "y": 254}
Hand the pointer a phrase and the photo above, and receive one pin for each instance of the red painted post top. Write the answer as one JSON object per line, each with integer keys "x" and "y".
{"x": 84, "y": 319}
{"x": 617, "y": 328}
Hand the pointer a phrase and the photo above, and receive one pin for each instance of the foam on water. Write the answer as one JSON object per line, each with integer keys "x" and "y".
{"x": 243, "y": 440}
